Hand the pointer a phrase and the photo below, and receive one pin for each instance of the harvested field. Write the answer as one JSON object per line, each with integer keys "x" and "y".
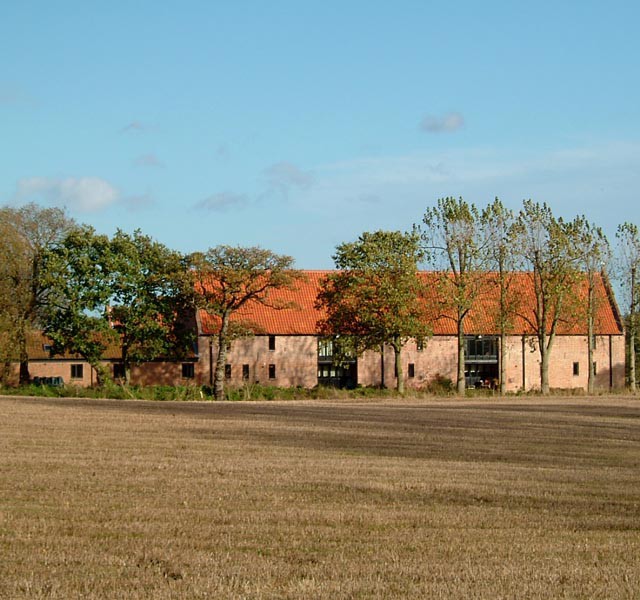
{"x": 512, "y": 498}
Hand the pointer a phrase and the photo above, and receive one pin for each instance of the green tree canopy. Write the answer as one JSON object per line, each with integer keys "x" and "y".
{"x": 452, "y": 243}
{"x": 547, "y": 247}
{"x": 26, "y": 233}
{"x": 376, "y": 296}
{"x": 228, "y": 277}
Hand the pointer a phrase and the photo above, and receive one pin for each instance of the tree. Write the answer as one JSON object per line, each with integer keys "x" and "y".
{"x": 628, "y": 267}
{"x": 77, "y": 276}
{"x": 452, "y": 245}
{"x": 227, "y": 278}
{"x": 376, "y": 297}
{"x": 592, "y": 248}
{"x": 498, "y": 229}
{"x": 149, "y": 298}
{"x": 128, "y": 291}
{"x": 547, "y": 247}
{"x": 26, "y": 233}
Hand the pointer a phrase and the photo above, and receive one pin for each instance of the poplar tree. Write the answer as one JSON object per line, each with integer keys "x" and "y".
{"x": 502, "y": 258}
{"x": 548, "y": 247}
{"x": 452, "y": 245}
{"x": 593, "y": 252}
{"x": 628, "y": 263}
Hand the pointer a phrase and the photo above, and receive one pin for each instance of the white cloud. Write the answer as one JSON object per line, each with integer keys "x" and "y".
{"x": 221, "y": 202}
{"x": 447, "y": 123}
{"x": 85, "y": 194}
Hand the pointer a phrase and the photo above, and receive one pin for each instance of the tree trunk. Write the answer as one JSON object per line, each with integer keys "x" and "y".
{"x": 632, "y": 356}
{"x": 632, "y": 334}
{"x": 544, "y": 366}
{"x": 591, "y": 379}
{"x": 126, "y": 366}
{"x": 397, "y": 349}
{"x": 503, "y": 362}
{"x": 461, "y": 382}
{"x": 25, "y": 377}
{"x": 102, "y": 374}
{"x": 221, "y": 360}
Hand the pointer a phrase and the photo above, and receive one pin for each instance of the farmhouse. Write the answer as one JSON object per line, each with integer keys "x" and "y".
{"x": 285, "y": 348}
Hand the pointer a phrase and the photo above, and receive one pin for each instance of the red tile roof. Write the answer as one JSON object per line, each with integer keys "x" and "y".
{"x": 303, "y": 318}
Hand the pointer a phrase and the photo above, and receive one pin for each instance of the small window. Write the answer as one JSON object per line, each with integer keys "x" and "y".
{"x": 188, "y": 371}
{"x": 272, "y": 371}
{"x": 419, "y": 345}
{"x": 272, "y": 342}
{"x": 227, "y": 371}
{"x": 412, "y": 370}
{"x": 118, "y": 371}
{"x": 245, "y": 372}
{"x": 576, "y": 368}
{"x": 595, "y": 368}
{"x": 77, "y": 371}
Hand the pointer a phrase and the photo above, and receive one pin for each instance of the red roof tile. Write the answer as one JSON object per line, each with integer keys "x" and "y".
{"x": 303, "y": 318}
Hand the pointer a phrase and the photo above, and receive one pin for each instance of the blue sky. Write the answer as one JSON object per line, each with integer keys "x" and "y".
{"x": 298, "y": 125}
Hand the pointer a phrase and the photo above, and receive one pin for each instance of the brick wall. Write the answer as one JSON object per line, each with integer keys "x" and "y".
{"x": 292, "y": 362}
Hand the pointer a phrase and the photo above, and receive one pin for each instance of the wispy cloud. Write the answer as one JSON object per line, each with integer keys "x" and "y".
{"x": 284, "y": 176}
{"x": 84, "y": 194}
{"x": 222, "y": 202}
{"x": 138, "y": 203}
{"x": 446, "y": 123}
{"x": 148, "y": 160}
{"x": 134, "y": 127}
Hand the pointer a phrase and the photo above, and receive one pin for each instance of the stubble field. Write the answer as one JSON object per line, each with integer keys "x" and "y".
{"x": 532, "y": 498}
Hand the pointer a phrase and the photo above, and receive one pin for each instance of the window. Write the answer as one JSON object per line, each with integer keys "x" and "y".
{"x": 272, "y": 371}
{"x": 188, "y": 371}
{"x": 227, "y": 371}
{"x": 412, "y": 370}
{"x": 77, "y": 371}
{"x": 118, "y": 371}
{"x": 419, "y": 345}
{"x": 576, "y": 368}
{"x": 272, "y": 342}
{"x": 595, "y": 368}
{"x": 245, "y": 372}
{"x": 325, "y": 348}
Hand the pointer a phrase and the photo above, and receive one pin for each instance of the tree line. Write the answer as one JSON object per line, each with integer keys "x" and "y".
{"x": 89, "y": 292}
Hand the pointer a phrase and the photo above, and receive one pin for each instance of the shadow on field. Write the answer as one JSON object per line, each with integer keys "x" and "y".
{"x": 546, "y": 432}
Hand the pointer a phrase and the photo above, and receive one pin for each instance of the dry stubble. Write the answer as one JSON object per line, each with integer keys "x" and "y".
{"x": 458, "y": 499}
